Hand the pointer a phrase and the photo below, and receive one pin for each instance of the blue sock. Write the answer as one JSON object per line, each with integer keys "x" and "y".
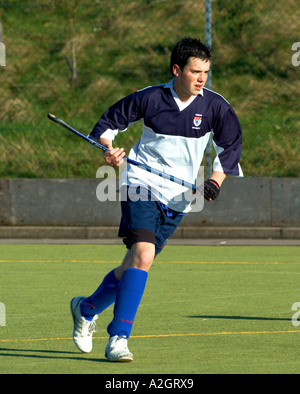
{"x": 130, "y": 292}
{"x": 102, "y": 298}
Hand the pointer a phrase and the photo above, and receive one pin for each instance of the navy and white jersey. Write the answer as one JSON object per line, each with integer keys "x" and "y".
{"x": 174, "y": 137}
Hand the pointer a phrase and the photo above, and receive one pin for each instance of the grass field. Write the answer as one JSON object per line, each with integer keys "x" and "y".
{"x": 206, "y": 309}
{"x": 120, "y": 46}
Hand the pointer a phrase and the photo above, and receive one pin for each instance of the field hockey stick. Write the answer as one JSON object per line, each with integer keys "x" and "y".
{"x": 145, "y": 167}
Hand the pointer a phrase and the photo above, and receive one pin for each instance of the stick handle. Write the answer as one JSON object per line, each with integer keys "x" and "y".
{"x": 145, "y": 167}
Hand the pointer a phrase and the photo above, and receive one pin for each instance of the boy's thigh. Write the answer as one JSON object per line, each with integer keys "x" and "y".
{"x": 146, "y": 221}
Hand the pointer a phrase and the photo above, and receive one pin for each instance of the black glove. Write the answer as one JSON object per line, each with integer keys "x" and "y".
{"x": 210, "y": 189}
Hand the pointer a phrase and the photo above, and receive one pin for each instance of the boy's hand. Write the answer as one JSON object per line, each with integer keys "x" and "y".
{"x": 210, "y": 189}
{"x": 114, "y": 157}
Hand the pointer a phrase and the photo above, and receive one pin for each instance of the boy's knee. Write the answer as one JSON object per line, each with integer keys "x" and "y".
{"x": 143, "y": 255}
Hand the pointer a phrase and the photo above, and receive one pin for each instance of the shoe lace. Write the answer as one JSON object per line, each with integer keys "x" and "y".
{"x": 88, "y": 327}
{"x": 92, "y": 326}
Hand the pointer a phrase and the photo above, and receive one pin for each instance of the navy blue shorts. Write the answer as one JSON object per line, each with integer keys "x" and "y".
{"x": 147, "y": 221}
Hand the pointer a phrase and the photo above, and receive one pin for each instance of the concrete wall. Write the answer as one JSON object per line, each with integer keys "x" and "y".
{"x": 245, "y": 206}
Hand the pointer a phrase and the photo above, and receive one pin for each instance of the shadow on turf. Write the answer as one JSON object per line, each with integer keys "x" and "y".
{"x": 239, "y": 318}
{"x": 79, "y": 356}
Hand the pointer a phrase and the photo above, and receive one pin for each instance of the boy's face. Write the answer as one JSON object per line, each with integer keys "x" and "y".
{"x": 190, "y": 80}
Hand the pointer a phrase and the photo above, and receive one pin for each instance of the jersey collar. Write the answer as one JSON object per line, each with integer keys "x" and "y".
{"x": 181, "y": 105}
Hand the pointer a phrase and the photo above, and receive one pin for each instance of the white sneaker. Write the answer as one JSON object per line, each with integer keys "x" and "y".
{"x": 83, "y": 329}
{"x": 117, "y": 349}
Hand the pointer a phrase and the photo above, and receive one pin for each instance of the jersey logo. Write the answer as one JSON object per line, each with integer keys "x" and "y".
{"x": 197, "y": 120}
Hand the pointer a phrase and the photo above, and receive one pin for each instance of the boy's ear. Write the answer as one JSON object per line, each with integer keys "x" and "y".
{"x": 176, "y": 70}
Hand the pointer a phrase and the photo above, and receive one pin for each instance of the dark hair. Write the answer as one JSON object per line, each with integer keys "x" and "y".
{"x": 189, "y": 47}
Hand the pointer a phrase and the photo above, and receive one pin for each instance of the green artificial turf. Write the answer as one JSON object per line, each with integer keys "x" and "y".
{"x": 206, "y": 309}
